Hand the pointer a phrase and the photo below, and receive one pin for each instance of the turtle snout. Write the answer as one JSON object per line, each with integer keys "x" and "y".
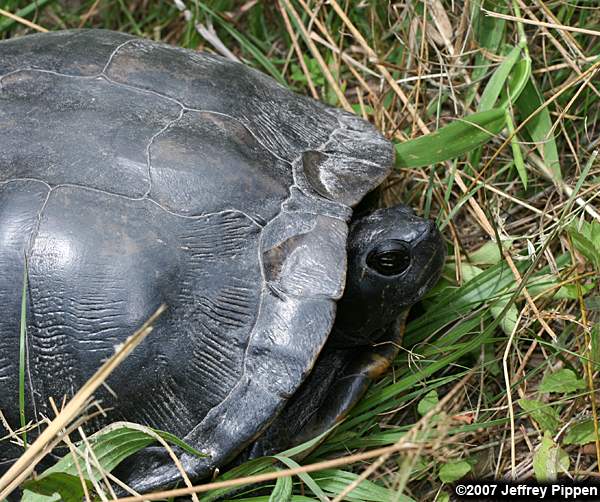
{"x": 430, "y": 254}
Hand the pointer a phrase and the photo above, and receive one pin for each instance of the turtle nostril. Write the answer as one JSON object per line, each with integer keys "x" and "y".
{"x": 430, "y": 229}
{"x": 425, "y": 230}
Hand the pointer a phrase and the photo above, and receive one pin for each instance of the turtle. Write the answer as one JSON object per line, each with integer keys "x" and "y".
{"x": 134, "y": 174}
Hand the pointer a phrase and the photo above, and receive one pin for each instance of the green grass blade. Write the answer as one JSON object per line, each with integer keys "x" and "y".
{"x": 511, "y": 76}
{"x": 414, "y": 378}
{"x": 497, "y": 82}
{"x": 539, "y": 126}
{"x": 171, "y": 438}
{"x": 111, "y": 446}
{"x": 455, "y": 139}
{"x": 134, "y": 24}
{"x": 516, "y": 150}
{"x": 305, "y": 477}
{"x": 250, "y": 468}
{"x": 25, "y": 12}
{"x": 282, "y": 491}
{"x": 294, "y": 498}
{"x": 488, "y": 33}
{"x": 308, "y": 445}
{"x": 246, "y": 45}
{"x": 335, "y": 481}
{"x": 517, "y": 80}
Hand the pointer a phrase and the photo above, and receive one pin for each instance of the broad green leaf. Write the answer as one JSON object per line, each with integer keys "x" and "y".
{"x": 586, "y": 239}
{"x": 29, "y": 496}
{"x": 489, "y": 32}
{"x": 453, "y": 471}
{"x": 488, "y": 254}
{"x": 563, "y": 380}
{"x": 282, "y": 491}
{"x": 546, "y": 416}
{"x": 569, "y": 291}
{"x": 545, "y": 284}
{"x": 509, "y": 318}
{"x": 111, "y": 446}
{"x": 549, "y": 460}
{"x": 443, "y": 497}
{"x": 580, "y": 433}
{"x": 539, "y": 126}
{"x": 469, "y": 271}
{"x": 429, "y": 402}
{"x": 542, "y": 284}
{"x": 56, "y": 486}
{"x": 455, "y": 139}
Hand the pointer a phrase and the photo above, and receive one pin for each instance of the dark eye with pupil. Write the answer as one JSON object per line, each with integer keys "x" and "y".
{"x": 389, "y": 258}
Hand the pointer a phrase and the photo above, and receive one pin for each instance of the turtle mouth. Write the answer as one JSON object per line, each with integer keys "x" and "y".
{"x": 431, "y": 281}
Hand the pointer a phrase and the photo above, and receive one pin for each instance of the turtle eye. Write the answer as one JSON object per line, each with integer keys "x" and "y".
{"x": 389, "y": 258}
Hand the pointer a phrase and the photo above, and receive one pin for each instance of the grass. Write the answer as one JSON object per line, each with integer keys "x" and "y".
{"x": 497, "y": 377}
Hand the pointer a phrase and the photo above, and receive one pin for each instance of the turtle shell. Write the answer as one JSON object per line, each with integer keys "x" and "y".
{"x": 132, "y": 174}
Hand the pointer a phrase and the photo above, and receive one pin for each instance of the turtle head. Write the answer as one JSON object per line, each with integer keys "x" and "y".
{"x": 394, "y": 258}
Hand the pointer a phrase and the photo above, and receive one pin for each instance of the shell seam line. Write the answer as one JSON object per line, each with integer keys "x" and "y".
{"x": 52, "y": 188}
{"x": 134, "y": 88}
{"x": 114, "y": 53}
{"x": 149, "y": 146}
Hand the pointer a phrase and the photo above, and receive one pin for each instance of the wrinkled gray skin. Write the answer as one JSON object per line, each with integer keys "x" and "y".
{"x": 134, "y": 174}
